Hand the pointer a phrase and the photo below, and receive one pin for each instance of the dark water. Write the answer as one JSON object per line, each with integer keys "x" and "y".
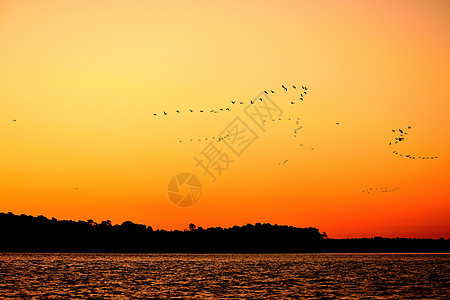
{"x": 210, "y": 276}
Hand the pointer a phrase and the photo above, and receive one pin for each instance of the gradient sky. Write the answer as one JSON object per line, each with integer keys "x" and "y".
{"x": 83, "y": 79}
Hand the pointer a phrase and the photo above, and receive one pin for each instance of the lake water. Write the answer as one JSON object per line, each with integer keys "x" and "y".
{"x": 218, "y": 276}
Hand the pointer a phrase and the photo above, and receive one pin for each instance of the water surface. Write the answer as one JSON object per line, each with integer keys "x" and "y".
{"x": 219, "y": 276}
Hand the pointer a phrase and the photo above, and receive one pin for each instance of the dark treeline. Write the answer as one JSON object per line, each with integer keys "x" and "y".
{"x": 39, "y": 234}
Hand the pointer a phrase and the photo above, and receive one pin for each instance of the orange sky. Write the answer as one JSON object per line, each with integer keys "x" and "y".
{"x": 83, "y": 79}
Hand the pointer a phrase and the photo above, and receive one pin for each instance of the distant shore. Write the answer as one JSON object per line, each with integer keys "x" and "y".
{"x": 22, "y": 233}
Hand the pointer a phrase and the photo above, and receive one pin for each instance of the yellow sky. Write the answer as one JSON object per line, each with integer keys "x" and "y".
{"x": 84, "y": 78}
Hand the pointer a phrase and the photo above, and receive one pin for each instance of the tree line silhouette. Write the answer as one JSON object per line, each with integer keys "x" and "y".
{"x": 23, "y": 233}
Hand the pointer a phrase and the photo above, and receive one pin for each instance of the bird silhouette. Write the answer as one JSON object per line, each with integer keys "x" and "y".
{"x": 201, "y": 111}
{"x": 401, "y": 131}
{"x": 266, "y": 92}
{"x": 260, "y": 99}
{"x": 409, "y": 127}
{"x": 284, "y": 87}
{"x": 294, "y": 86}
{"x": 14, "y": 120}
{"x": 292, "y": 102}
{"x": 154, "y": 114}
{"x": 165, "y": 113}
{"x": 191, "y": 110}
{"x": 241, "y": 102}
{"x": 227, "y": 109}
{"x": 251, "y": 101}
{"x": 272, "y": 91}
{"x": 177, "y": 111}
{"x": 233, "y": 102}
{"x": 337, "y": 123}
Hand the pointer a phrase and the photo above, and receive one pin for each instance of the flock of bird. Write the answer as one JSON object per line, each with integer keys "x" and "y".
{"x": 382, "y": 190}
{"x": 414, "y": 157}
{"x": 400, "y": 138}
{"x": 218, "y": 138}
{"x": 298, "y": 128}
{"x": 283, "y": 162}
{"x": 234, "y": 102}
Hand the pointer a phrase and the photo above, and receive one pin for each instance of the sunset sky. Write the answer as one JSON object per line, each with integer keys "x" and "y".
{"x": 84, "y": 78}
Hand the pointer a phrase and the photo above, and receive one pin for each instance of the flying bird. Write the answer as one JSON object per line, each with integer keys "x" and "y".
{"x": 177, "y": 111}
{"x": 272, "y": 91}
{"x": 14, "y": 120}
{"x": 409, "y": 127}
{"x": 401, "y": 131}
{"x": 294, "y": 86}
{"x": 165, "y": 113}
{"x": 233, "y": 102}
{"x": 284, "y": 87}
{"x": 191, "y": 110}
{"x": 266, "y": 92}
